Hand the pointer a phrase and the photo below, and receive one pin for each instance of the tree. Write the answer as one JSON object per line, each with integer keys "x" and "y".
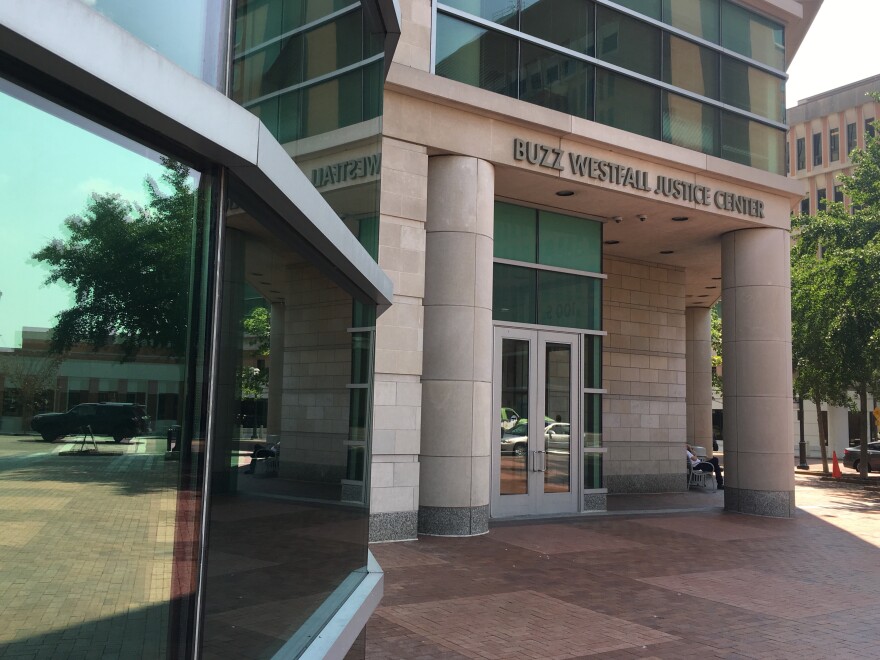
{"x": 34, "y": 378}
{"x": 128, "y": 267}
{"x": 715, "y": 335}
{"x": 836, "y": 293}
{"x": 253, "y": 379}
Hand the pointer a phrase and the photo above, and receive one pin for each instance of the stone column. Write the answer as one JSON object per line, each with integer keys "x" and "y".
{"x": 457, "y": 367}
{"x": 698, "y": 392}
{"x": 758, "y": 419}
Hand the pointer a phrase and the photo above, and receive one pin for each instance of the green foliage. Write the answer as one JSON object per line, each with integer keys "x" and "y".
{"x": 256, "y": 326}
{"x": 835, "y": 303}
{"x": 128, "y": 267}
{"x": 715, "y": 330}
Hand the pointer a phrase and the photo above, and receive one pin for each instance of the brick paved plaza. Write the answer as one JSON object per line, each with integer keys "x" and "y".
{"x": 686, "y": 581}
{"x": 85, "y": 549}
{"x": 85, "y": 558}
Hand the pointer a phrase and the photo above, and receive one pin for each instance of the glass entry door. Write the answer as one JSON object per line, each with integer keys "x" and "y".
{"x": 534, "y": 451}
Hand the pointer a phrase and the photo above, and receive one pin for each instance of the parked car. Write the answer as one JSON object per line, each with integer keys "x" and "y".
{"x": 557, "y": 437}
{"x": 852, "y": 456}
{"x": 516, "y": 439}
{"x": 118, "y": 420}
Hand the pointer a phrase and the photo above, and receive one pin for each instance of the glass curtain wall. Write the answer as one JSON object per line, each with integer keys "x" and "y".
{"x": 103, "y": 280}
{"x": 191, "y": 34}
{"x": 733, "y": 62}
{"x": 289, "y": 513}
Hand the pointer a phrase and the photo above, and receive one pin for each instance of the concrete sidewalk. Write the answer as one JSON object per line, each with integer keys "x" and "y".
{"x": 669, "y": 577}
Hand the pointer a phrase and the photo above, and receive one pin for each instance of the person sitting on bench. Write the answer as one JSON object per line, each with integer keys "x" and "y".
{"x": 702, "y": 465}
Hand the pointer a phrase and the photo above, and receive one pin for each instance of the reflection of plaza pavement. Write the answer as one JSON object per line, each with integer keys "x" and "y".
{"x": 85, "y": 550}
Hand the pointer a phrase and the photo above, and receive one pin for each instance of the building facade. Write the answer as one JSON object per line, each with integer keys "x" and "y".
{"x": 566, "y": 189}
{"x": 465, "y": 252}
{"x": 823, "y": 131}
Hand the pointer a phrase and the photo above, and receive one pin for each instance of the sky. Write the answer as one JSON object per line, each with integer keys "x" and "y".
{"x": 851, "y": 26}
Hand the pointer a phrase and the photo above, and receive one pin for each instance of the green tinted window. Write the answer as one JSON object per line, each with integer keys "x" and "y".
{"x": 555, "y": 81}
{"x": 690, "y": 124}
{"x": 751, "y": 143}
{"x": 697, "y": 17}
{"x": 569, "y": 301}
{"x": 476, "y": 56}
{"x": 515, "y": 232}
{"x": 569, "y": 242}
{"x": 592, "y": 420}
{"x": 751, "y": 89}
{"x": 628, "y": 42}
{"x": 689, "y": 66}
{"x": 649, "y": 8}
{"x": 593, "y": 361}
{"x": 503, "y": 12}
{"x": 567, "y": 23}
{"x": 627, "y": 104}
{"x": 593, "y": 470}
{"x": 752, "y": 35}
{"x": 513, "y": 294}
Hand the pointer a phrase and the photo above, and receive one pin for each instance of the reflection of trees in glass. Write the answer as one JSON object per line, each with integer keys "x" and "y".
{"x": 33, "y": 378}
{"x": 128, "y": 266}
{"x": 254, "y": 380}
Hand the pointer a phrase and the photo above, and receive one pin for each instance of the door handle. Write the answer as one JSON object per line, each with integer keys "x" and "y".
{"x": 539, "y": 461}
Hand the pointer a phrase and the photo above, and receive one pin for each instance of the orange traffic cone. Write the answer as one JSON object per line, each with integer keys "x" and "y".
{"x": 835, "y": 469}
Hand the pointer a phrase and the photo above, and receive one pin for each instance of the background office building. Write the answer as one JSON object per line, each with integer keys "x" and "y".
{"x": 482, "y": 291}
{"x": 823, "y": 131}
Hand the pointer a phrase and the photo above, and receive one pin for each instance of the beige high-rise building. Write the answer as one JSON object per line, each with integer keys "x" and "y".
{"x": 823, "y": 131}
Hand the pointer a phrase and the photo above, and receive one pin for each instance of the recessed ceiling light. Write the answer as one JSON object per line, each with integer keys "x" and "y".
{"x": 716, "y": 278}
{"x": 666, "y": 251}
{"x": 565, "y": 193}
{"x": 680, "y": 218}
{"x": 257, "y": 274}
{"x": 711, "y": 287}
{"x": 703, "y": 295}
{"x": 611, "y": 242}
{"x": 266, "y": 283}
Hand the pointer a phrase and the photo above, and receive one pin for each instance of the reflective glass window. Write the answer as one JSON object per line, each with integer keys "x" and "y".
{"x": 567, "y": 23}
{"x": 690, "y": 66}
{"x": 851, "y": 138}
{"x": 691, "y": 124}
{"x": 592, "y": 420}
{"x": 191, "y": 34}
{"x": 801, "y": 153}
{"x": 697, "y": 17}
{"x": 820, "y": 195}
{"x": 751, "y": 35}
{"x": 291, "y": 446}
{"x": 751, "y": 89}
{"x": 593, "y": 470}
{"x": 503, "y": 12}
{"x": 627, "y": 42}
{"x": 834, "y": 145}
{"x": 593, "y": 361}
{"x": 569, "y": 242}
{"x": 817, "y": 148}
{"x": 751, "y": 143}
{"x": 514, "y": 294}
{"x": 627, "y": 104}
{"x": 476, "y": 56}
{"x": 516, "y": 232}
{"x": 555, "y": 81}
{"x": 103, "y": 268}
{"x": 651, "y": 8}
{"x": 569, "y": 301}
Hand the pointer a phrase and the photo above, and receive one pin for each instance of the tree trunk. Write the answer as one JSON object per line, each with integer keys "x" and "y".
{"x": 863, "y": 425}
{"x": 823, "y": 437}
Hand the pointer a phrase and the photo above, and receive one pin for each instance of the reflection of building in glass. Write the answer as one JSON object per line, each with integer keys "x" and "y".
{"x": 175, "y": 258}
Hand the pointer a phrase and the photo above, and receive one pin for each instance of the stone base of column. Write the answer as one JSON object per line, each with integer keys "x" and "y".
{"x": 773, "y": 504}
{"x": 646, "y": 483}
{"x": 453, "y": 521}
{"x": 595, "y": 502}
{"x": 395, "y": 526}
